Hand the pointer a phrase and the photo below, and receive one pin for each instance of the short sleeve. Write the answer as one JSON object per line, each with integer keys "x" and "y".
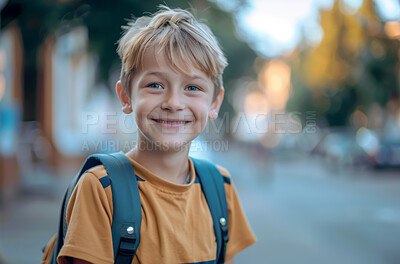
{"x": 89, "y": 218}
{"x": 240, "y": 234}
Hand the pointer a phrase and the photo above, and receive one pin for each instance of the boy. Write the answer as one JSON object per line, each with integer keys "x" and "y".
{"x": 171, "y": 80}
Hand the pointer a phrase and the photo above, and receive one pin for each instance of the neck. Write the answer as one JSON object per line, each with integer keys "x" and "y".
{"x": 172, "y": 166}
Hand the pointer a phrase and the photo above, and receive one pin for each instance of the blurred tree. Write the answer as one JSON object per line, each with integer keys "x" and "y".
{"x": 352, "y": 67}
{"x": 35, "y": 20}
{"x": 103, "y": 18}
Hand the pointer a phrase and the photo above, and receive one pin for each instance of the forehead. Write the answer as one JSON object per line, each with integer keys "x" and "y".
{"x": 156, "y": 58}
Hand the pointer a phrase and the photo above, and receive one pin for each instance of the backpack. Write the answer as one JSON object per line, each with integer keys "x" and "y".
{"x": 127, "y": 212}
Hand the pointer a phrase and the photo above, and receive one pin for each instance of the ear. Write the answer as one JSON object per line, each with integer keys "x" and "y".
{"x": 123, "y": 98}
{"x": 216, "y": 104}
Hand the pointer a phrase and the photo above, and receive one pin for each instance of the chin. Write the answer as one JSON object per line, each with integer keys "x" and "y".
{"x": 171, "y": 146}
{"x": 167, "y": 142}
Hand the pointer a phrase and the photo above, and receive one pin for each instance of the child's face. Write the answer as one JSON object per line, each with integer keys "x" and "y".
{"x": 171, "y": 108}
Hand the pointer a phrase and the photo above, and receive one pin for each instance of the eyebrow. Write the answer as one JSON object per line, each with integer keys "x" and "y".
{"x": 197, "y": 77}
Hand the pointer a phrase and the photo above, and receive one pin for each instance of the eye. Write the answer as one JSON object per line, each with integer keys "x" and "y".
{"x": 155, "y": 86}
{"x": 193, "y": 88}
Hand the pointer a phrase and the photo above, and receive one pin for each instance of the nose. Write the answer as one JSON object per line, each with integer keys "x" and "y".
{"x": 173, "y": 101}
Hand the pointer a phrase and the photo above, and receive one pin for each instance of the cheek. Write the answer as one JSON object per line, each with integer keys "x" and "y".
{"x": 143, "y": 105}
{"x": 140, "y": 111}
{"x": 201, "y": 112}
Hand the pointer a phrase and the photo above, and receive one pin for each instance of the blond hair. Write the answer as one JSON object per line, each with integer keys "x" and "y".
{"x": 185, "y": 41}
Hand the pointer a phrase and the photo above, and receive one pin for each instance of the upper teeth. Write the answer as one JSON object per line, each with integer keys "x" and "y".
{"x": 174, "y": 122}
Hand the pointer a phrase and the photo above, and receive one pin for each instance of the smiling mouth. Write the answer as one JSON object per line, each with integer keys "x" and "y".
{"x": 170, "y": 122}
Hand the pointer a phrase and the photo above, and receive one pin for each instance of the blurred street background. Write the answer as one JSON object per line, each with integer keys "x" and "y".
{"x": 309, "y": 128}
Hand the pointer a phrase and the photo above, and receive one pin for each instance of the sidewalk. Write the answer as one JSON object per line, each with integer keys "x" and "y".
{"x": 28, "y": 220}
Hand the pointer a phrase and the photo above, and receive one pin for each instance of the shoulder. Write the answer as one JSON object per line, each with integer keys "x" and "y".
{"x": 223, "y": 170}
{"x": 92, "y": 189}
{"x": 225, "y": 173}
{"x": 97, "y": 171}
{"x": 96, "y": 174}
{"x": 93, "y": 184}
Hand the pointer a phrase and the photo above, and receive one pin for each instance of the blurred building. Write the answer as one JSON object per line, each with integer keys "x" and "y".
{"x": 11, "y": 102}
{"x": 75, "y": 115}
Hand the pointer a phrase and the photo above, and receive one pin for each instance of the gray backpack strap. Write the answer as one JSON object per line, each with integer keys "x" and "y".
{"x": 127, "y": 213}
{"x": 90, "y": 162}
{"x": 212, "y": 185}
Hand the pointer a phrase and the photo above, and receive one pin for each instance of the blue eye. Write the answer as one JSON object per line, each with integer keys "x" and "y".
{"x": 155, "y": 86}
{"x": 193, "y": 88}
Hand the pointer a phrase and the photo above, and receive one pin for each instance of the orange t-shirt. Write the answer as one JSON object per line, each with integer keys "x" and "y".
{"x": 176, "y": 223}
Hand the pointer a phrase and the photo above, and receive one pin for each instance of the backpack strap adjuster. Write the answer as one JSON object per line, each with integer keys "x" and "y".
{"x": 223, "y": 223}
{"x": 127, "y": 244}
